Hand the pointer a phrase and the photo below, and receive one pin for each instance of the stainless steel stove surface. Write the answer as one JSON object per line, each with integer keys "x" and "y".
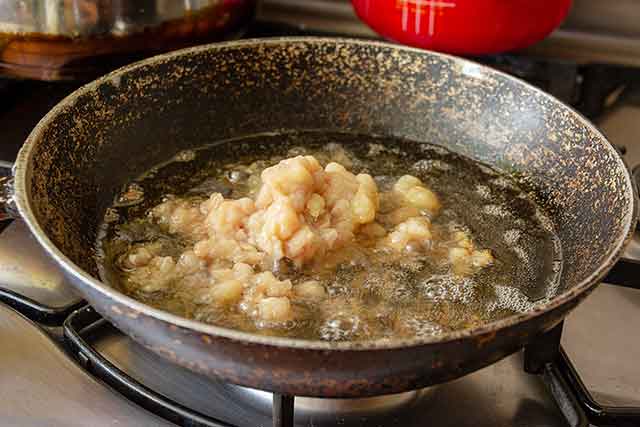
{"x": 43, "y": 386}
{"x": 500, "y": 395}
{"x": 88, "y": 373}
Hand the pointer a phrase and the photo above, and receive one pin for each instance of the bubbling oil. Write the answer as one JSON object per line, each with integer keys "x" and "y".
{"x": 371, "y": 294}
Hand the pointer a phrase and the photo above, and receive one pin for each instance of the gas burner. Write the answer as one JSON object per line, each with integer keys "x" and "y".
{"x": 326, "y": 411}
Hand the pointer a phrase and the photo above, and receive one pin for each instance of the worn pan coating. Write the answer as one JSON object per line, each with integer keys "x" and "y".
{"x": 111, "y": 130}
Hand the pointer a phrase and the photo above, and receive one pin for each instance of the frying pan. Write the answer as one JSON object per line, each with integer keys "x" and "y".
{"x": 82, "y": 152}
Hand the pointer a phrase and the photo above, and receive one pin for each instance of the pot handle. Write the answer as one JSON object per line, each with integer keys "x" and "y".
{"x": 8, "y": 208}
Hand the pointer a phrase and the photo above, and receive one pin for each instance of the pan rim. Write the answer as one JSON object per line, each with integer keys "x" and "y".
{"x": 23, "y": 203}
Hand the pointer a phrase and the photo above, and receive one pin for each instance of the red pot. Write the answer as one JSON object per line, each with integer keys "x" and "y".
{"x": 464, "y": 26}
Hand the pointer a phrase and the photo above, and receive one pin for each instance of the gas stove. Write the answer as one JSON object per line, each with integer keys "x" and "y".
{"x": 64, "y": 365}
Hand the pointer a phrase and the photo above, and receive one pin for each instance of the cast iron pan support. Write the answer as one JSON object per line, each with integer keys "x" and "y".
{"x": 540, "y": 357}
{"x": 282, "y": 410}
{"x": 82, "y": 321}
{"x": 546, "y": 357}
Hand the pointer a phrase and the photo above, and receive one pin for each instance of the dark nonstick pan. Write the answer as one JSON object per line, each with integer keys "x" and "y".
{"x": 79, "y": 156}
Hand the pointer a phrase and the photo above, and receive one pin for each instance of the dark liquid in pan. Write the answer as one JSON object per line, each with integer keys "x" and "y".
{"x": 371, "y": 297}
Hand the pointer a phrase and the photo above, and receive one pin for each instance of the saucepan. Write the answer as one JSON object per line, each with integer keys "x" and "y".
{"x": 97, "y": 139}
{"x": 82, "y": 39}
{"x": 464, "y": 26}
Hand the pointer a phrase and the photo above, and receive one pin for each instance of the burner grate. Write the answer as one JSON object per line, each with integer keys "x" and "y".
{"x": 544, "y": 356}
{"x": 84, "y": 320}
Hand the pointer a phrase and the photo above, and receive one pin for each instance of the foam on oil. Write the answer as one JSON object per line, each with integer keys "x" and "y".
{"x": 370, "y": 294}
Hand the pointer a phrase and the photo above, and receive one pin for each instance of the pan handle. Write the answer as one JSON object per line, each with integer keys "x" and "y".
{"x": 8, "y": 208}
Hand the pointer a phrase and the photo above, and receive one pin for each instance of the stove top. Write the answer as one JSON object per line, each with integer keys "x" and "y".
{"x": 56, "y": 390}
{"x": 63, "y": 365}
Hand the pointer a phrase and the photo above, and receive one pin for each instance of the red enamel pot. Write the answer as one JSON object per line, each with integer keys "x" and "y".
{"x": 464, "y": 26}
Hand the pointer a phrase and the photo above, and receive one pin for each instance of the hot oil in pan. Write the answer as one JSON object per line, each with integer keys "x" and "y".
{"x": 370, "y": 294}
